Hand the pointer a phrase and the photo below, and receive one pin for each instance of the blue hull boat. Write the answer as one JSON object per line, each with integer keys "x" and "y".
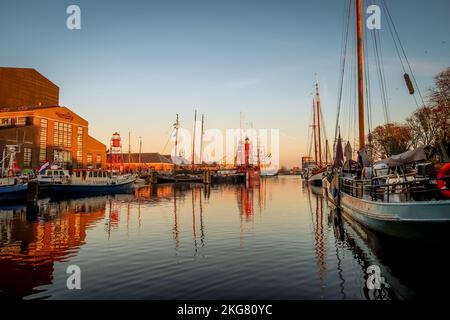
{"x": 13, "y": 192}
{"x": 92, "y": 189}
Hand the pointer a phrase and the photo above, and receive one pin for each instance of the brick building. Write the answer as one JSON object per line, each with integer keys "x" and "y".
{"x": 30, "y": 116}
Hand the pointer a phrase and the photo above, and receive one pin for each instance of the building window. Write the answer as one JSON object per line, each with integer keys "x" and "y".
{"x": 5, "y": 122}
{"x": 27, "y": 157}
{"x": 98, "y": 161}
{"x": 43, "y": 141}
{"x": 80, "y": 147}
{"x": 62, "y": 134}
{"x": 89, "y": 159}
{"x": 63, "y": 156}
{"x": 22, "y": 121}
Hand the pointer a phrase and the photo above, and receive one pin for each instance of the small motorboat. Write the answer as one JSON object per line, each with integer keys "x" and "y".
{"x": 94, "y": 182}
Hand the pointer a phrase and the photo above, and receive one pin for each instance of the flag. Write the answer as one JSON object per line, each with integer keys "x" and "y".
{"x": 43, "y": 167}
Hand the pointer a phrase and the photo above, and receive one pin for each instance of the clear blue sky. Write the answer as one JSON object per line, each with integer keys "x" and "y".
{"x": 135, "y": 64}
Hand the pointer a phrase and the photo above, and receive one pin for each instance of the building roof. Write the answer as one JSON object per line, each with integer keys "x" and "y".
{"x": 147, "y": 157}
{"x": 177, "y": 160}
{"x": 26, "y": 108}
{"x": 26, "y": 87}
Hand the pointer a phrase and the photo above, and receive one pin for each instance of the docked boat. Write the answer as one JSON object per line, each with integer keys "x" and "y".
{"x": 405, "y": 196}
{"x": 251, "y": 170}
{"x": 266, "y": 172}
{"x": 52, "y": 174}
{"x": 315, "y": 170}
{"x": 181, "y": 177}
{"x": 94, "y": 182}
{"x": 227, "y": 176}
{"x": 12, "y": 187}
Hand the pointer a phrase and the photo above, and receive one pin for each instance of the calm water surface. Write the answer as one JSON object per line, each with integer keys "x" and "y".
{"x": 278, "y": 240}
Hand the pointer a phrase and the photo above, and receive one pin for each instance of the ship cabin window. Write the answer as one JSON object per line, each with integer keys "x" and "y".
{"x": 49, "y": 172}
{"x": 78, "y": 174}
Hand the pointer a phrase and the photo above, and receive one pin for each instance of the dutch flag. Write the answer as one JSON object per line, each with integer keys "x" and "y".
{"x": 43, "y": 167}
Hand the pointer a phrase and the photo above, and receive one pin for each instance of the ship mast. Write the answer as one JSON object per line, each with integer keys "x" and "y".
{"x": 359, "y": 25}
{"x": 177, "y": 125}
{"x": 193, "y": 141}
{"x": 318, "y": 121}
{"x": 201, "y": 139}
{"x": 314, "y": 129}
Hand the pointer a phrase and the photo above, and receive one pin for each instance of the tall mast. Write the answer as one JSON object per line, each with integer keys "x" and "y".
{"x": 360, "y": 73}
{"x": 318, "y": 122}
{"x": 314, "y": 129}
{"x": 326, "y": 152}
{"x": 193, "y": 141}
{"x": 129, "y": 149}
{"x": 140, "y": 150}
{"x": 177, "y": 125}
{"x": 201, "y": 139}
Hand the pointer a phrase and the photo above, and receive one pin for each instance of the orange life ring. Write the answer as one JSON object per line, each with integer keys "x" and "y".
{"x": 444, "y": 172}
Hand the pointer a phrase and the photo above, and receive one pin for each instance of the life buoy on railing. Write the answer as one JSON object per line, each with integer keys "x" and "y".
{"x": 441, "y": 183}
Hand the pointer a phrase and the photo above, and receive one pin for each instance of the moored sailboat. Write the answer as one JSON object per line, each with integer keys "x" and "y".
{"x": 403, "y": 196}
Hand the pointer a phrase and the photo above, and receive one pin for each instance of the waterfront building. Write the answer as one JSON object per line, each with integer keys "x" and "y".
{"x": 144, "y": 162}
{"x": 31, "y": 117}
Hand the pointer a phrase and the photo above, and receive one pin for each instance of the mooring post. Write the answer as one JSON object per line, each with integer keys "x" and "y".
{"x": 206, "y": 177}
{"x": 153, "y": 177}
{"x": 32, "y": 191}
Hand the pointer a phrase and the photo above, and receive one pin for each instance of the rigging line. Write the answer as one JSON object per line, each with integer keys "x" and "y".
{"x": 325, "y": 133}
{"x": 343, "y": 64}
{"x": 388, "y": 117}
{"x": 167, "y": 142}
{"x": 404, "y": 52}
{"x": 367, "y": 83}
{"x": 381, "y": 83}
{"x": 383, "y": 77}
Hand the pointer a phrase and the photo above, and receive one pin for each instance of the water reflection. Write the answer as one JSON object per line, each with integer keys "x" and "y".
{"x": 276, "y": 239}
{"x": 30, "y": 245}
{"x": 409, "y": 268}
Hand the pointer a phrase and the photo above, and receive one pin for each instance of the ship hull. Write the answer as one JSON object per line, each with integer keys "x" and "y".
{"x": 13, "y": 192}
{"x": 92, "y": 189}
{"x": 427, "y": 221}
{"x": 316, "y": 179}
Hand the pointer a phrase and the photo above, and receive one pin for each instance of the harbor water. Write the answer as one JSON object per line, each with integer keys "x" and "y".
{"x": 277, "y": 240}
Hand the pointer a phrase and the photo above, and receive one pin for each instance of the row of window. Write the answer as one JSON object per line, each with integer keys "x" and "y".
{"x": 60, "y": 156}
{"x": 62, "y": 134}
{"x": 19, "y": 121}
{"x": 62, "y": 137}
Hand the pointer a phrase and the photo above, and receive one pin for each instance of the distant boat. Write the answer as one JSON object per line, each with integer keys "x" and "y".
{"x": 183, "y": 177}
{"x": 315, "y": 170}
{"x": 12, "y": 187}
{"x": 269, "y": 172}
{"x": 94, "y": 182}
{"x": 228, "y": 176}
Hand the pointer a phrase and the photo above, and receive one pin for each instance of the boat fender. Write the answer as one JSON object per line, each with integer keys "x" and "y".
{"x": 441, "y": 183}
